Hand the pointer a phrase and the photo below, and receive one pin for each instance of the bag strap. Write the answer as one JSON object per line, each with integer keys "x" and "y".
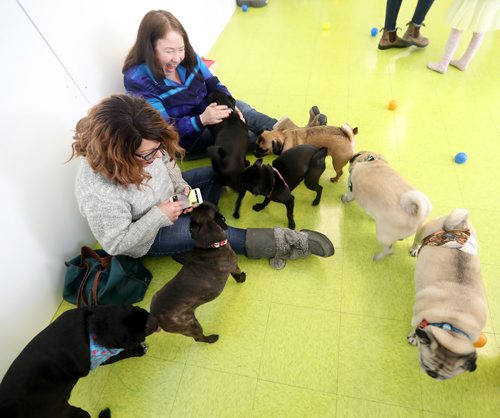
{"x": 81, "y": 290}
{"x": 95, "y": 286}
{"x": 89, "y": 252}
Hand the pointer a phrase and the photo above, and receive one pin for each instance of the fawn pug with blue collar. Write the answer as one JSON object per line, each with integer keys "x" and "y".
{"x": 450, "y": 309}
{"x": 397, "y": 208}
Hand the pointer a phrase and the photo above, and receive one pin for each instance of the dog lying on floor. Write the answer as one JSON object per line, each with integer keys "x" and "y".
{"x": 450, "y": 309}
{"x": 39, "y": 382}
{"x": 228, "y": 155}
{"x": 201, "y": 279}
{"x": 338, "y": 141}
{"x": 301, "y": 163}
{"x": 398, "y": 209}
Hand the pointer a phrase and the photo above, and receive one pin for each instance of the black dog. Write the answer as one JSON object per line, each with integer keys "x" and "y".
{"x": 39, "y": 382}
{"x": 201, "y": 279}
{"x": 231, "y": 145}
{"x": 303, "y": 162}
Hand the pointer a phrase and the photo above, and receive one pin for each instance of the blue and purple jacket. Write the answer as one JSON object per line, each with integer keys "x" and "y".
{"x": 180, "y": 104}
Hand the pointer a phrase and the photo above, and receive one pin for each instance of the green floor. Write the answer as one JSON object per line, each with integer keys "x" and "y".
{"x": 327, "y": 337}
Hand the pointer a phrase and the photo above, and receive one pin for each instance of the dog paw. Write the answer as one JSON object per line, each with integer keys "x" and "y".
{"x": 258, "y": 207}
{"x": 211, "y": 338}
{"x": 334, "y": 179}
{"x": 145, "y": 348}
{"x": 412, "y": 339}
{"x": 236, "y": 215}
{"x": 414, "y": 251}
{"x": 316, "y": 202}
{"x": 240, "y": 278}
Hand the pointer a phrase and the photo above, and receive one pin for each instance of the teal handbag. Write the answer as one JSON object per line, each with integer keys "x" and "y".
{"x": 97, "y": 278}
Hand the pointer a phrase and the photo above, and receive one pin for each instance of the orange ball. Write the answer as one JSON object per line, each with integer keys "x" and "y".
{"x": 393, "y": 104}
{"x": 482, "y": 341}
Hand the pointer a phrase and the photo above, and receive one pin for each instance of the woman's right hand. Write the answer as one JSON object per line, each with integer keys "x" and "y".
{"x": 214, "y": 114}
{"x": 172, "y": 210}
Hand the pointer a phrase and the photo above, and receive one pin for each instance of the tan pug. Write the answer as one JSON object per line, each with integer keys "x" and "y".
{"x": 398, "y": 209}
{"x": 450, "y": 309}
{"x": 338, "y": 141}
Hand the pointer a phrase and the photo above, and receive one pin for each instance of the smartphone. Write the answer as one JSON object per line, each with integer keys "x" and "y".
{"x": 194, "y": 198}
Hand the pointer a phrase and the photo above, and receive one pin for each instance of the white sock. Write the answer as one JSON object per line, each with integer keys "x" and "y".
{"x": 475, "y": 43}
{"x": 449, "y": 50}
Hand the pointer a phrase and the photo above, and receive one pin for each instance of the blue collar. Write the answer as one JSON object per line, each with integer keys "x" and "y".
{"x": 443, "y": 325}
{"x": 98, "y": 353}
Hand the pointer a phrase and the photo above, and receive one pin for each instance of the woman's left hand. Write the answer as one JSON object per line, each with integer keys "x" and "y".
{"x": 238, "y": 111}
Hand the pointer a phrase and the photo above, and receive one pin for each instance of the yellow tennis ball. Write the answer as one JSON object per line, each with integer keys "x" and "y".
{"x": 326, "y": 26}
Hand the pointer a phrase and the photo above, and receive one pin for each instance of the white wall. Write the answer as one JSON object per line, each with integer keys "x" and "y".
{"x": 57, "y": 59}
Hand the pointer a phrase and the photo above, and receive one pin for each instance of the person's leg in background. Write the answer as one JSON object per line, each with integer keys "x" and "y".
{"x": 389, "y": 37}
{"x": 413, "y": 35}
{"x": 475, "y": 43}
{"x": 449, "y": 50}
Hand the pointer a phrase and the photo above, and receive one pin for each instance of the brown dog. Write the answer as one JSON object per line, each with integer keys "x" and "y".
{"x": 338, "y": 141}
{"x": 201, "y": 279}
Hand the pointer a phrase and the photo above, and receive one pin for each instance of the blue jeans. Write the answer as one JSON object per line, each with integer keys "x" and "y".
{"x": 257, "y": 123}
{"x": 176, "y": 239}
{"x": 392, "y": 11}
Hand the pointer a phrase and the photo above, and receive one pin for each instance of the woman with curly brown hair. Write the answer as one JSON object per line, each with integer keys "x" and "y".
{"x": 128, "y": 174}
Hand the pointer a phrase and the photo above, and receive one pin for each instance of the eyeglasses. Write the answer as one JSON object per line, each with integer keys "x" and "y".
{"x": 150, "y": 155}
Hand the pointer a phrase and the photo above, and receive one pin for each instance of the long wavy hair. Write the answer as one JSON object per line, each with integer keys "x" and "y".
{"x": 155, "y": 25}
{"x": 113, "y": 130}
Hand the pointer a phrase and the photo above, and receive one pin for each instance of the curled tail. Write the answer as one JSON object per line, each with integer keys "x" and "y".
{"x": 457, "y": 219}
{"x": 416, "y": 203}
{"x": 348, "y": 131}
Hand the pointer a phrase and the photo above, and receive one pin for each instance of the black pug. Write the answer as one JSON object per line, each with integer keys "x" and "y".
{"x": 39, "y": 382}
{"x": 231, "y": 145}
{"x": 276, "y": 182}
{"x": 201, "y": 279}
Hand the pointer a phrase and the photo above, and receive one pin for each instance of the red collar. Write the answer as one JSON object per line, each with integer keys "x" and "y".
{"x": 219, "y": 244}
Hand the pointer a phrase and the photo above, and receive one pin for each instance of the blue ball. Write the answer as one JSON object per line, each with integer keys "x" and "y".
{"x": 461, "y": 158}
{"x": 374, "y": 31}
{"x": 244, "y": 8}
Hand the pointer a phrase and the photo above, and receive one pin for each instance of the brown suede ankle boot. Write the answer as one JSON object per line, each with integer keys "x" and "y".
{"x": 413, "y": 36}
{"x": 391, "y": 40}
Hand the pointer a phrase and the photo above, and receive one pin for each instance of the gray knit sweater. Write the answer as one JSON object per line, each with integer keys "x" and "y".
{"x": 124, "y": 219}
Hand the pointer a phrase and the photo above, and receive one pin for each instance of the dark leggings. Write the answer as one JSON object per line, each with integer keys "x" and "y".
{"x": 392, "y": 11}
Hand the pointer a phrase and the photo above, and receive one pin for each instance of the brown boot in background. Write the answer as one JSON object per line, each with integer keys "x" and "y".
{"x": 413, "y": 36}
{"x": 392, "y": 40}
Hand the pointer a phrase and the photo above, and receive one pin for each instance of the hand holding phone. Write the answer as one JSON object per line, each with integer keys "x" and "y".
{"x": 194, "y": 198}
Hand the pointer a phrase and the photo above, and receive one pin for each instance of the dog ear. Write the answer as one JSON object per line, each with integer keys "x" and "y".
{"x": 355, "y": 130}
{"x": 353, "y": 158}
{"x": 247, "y": 163}
{"x": 220, "y": 220}
{"x": 277, "y": 147}
{"x": 471, "y": 363}
{"x": 423, "y": 336}
{"x": 258, "y": 162}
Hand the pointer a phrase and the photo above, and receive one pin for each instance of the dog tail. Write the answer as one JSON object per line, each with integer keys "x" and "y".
{"x": 457, "y": 219}
{"x": 349, "y": 131}
{"x": 105, "y": 413}
{"x": 416, "y": 203}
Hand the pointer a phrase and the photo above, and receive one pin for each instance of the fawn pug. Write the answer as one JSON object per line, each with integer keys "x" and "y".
{"x": 397, "y": 208}
{"x": 450, "y": 309}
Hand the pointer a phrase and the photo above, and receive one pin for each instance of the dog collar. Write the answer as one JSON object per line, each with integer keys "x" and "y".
{"x": 219, "y": 244}
{"x": 274, "y": 182}
{"x": 98, "y": 353}
{"x": 443, "y": 325}
{"x": 458, "y": 239}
